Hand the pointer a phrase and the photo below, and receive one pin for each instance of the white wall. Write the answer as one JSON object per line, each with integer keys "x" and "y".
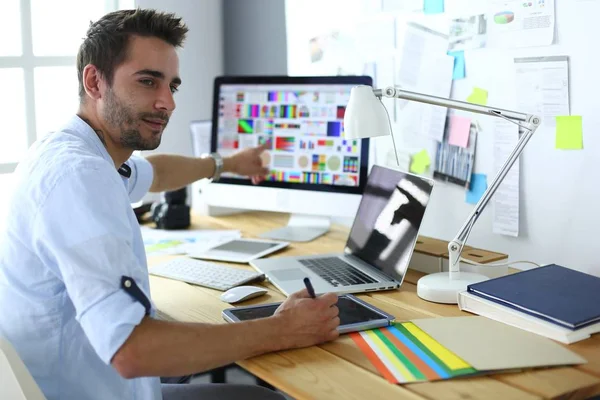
{"x": 560, "y": 218}
{"x": 201, "y": 59}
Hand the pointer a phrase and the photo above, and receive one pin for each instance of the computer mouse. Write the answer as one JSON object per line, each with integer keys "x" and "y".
{"x": 241, "y": 293}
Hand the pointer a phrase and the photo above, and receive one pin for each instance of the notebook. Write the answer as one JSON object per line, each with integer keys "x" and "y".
{"x": 553, "y": 293}
{"x": 510, "y": 316}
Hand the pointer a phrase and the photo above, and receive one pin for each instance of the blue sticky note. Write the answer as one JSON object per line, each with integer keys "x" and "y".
{"x": 478, "y": 187}
{"x": 433, "y": 6}
{"x": 459, "y": 64}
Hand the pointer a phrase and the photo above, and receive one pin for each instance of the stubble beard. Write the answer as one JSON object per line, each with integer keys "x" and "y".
{"x": 124, "y": 119}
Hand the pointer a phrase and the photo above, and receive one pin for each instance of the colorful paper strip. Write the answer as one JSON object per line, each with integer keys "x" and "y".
{"x": 404, "y": 353}
{"x": 447, "y": 357}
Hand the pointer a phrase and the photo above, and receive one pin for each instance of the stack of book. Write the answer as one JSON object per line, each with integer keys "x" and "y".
{"x": 552, "y": 301}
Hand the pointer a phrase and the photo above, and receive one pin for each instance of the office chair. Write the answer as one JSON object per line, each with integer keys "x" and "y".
{"x": 16, "y": 382}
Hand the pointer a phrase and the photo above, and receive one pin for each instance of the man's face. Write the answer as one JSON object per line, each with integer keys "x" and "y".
{"x": 138, "y": 105}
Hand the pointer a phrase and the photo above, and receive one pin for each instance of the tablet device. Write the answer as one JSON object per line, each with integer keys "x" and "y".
{"x": 238, "y": 250}
{"x": 355, "y": 314}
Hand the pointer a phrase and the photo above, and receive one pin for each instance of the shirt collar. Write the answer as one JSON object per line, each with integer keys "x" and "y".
{"x": 83, "y": 130}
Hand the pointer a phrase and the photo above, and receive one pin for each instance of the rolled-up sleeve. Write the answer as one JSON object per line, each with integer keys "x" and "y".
{"x": 141, "y": 177}
{"x": 82, "y": 227}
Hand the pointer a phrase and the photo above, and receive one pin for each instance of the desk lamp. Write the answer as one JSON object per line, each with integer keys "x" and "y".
{"x": 367, "y": 117}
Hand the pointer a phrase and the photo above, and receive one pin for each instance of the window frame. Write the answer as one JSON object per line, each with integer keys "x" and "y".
{"x": 27, "y": 61}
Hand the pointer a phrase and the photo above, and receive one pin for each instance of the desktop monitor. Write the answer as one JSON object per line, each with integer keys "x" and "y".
{"x": 315, "y": 173}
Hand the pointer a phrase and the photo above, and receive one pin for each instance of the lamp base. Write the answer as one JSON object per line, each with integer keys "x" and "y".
{"x": 439, "y": 288}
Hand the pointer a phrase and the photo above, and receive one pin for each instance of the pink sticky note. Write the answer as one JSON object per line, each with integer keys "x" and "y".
{"x": 459, "y": 131}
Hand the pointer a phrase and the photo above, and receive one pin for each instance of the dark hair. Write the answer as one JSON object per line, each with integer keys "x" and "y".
{"x": 105, "y": 44}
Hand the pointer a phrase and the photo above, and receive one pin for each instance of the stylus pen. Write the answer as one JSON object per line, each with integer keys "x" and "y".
{"x": 309, "y": 287}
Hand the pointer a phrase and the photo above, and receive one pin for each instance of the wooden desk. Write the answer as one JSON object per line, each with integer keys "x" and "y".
{"x": 338, "y": 370}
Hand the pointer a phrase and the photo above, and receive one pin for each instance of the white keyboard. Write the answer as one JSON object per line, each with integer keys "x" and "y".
{"x": 207, "y": 274}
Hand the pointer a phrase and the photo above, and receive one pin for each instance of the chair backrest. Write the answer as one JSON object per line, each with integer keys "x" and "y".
{"x": 15, "y": 380}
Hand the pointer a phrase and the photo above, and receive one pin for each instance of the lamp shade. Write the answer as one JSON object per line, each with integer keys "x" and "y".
{"x": 365, "y": 115}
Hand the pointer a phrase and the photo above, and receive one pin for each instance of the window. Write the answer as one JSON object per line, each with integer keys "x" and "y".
{"x": 37, "y": 67}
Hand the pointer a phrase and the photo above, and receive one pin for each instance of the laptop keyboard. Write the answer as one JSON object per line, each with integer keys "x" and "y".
{"x": 337, "y": 271}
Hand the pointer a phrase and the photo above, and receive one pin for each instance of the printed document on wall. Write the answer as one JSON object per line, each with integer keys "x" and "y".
{"x": 201, "y": 136}
{"x": 518, "y": 23}
{"x": 543, "y": 87}
{"x": 423, "y": 66}
{"x": 506, "y": 198}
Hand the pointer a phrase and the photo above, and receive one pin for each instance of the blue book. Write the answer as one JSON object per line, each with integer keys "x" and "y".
{"x": 553, "y": 293}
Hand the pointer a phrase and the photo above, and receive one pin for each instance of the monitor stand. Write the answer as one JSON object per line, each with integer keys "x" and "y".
{"x": 300, "y": 228}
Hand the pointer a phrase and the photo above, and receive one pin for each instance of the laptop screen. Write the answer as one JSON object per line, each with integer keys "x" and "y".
{"x": 387, "y": 224}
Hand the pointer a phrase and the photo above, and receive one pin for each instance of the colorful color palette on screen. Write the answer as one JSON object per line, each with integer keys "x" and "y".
{"x": 404, "y": 353}
{"x": 303, "y": 131}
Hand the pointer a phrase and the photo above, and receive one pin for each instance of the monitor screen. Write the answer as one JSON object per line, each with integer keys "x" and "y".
{"x": 300, "y": 119}
{"x": 389, "y": 216}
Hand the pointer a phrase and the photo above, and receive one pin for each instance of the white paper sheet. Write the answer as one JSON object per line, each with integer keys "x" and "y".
{"x": 518, "y": 23}
{"x": 159, "y": 241}
{"x": 201, "y": 137}
{"x": 424, "y": 67}
{"x": 543, "y": 87}
{"x": 506, "y": 198}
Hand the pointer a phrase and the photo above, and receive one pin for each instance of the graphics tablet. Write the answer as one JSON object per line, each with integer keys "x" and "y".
{"x": 355, "y": 314}
{"x": 238, "y": 250}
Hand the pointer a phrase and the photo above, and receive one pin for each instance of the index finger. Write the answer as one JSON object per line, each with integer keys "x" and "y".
{"x": 263, "y": 147}
{"x": 300, "y": 294}
{"x": 329, "y": 298}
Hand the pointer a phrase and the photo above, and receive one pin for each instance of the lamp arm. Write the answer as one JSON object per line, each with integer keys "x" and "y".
{"x": 529, "y": 123}
{"x": 396, "y": 93}
{"x": 456, "y": 245}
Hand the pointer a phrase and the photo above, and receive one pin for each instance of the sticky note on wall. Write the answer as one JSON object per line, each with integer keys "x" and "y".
{"x": 420, "y": 162}
{"x": 460, "y": 128}
{"x": 478, "y": 188}
{"x": 459, "y": 64}
{"x": 478, "y": 96}
{"x": 569, "y": 132}
{"x": 433, "y": 6}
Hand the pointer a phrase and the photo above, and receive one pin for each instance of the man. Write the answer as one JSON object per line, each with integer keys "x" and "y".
{"x": 74, "y": 292}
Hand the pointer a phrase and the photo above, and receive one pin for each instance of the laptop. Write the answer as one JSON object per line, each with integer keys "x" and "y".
{"x": 380, "y": 245}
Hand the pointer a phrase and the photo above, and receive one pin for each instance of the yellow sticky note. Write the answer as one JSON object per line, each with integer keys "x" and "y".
{"x": 420, "y": 162}
{"x": 569, "y": 133}
{"x": 478, "y": 96}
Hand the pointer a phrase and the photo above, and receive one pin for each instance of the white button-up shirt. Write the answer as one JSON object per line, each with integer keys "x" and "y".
{"x": 71, "y": 235}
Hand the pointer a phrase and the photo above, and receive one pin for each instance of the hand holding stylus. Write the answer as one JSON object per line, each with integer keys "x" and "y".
{"x": 309, "y": 287}
{"x": 309, "y": 319}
